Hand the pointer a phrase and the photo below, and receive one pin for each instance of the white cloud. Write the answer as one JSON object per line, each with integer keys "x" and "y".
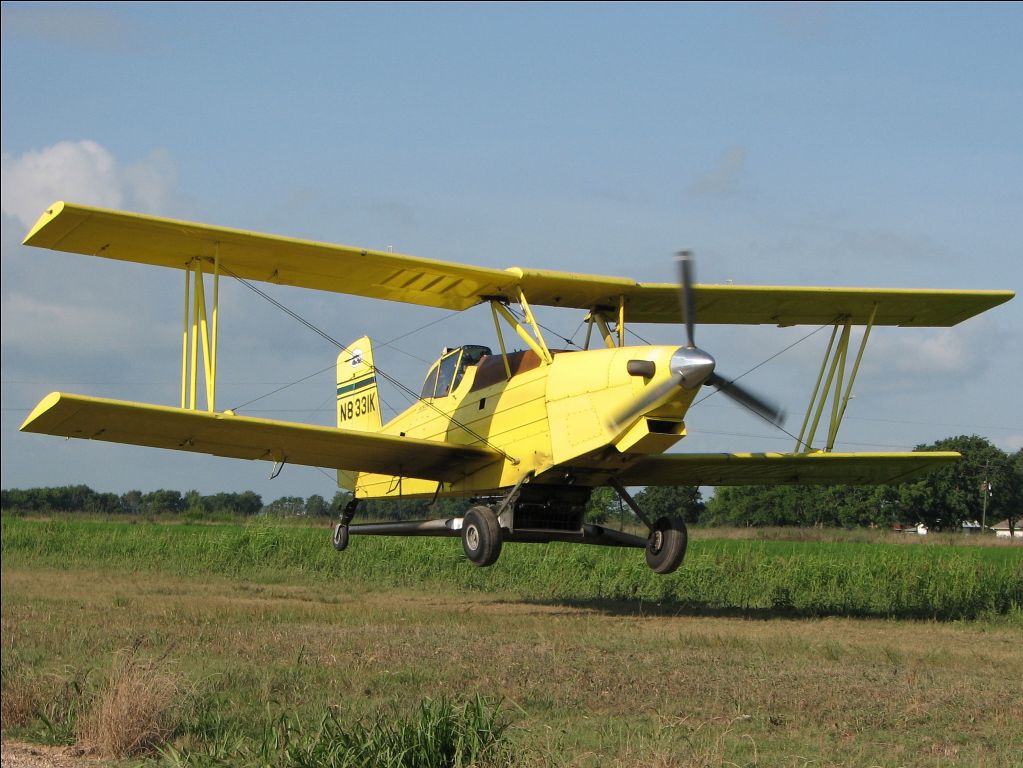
{"x": 83, "y": 172}
{"x": 931, "y": 359}
{"x": 50, "y": 328}
{"x": 939, "y": 352}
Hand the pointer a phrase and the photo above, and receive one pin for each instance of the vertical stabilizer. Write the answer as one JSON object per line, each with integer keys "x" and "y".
{"x": 358, "y": 406}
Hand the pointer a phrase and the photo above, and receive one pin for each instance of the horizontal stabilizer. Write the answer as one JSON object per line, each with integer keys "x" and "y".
{"x": 434, "y": 283}
{"x": 784, "y": 468}
{"x": 244, "y": 437}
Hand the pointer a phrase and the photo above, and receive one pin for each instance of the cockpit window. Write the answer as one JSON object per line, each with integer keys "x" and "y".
{"x": 446, "y": 374}
{"x": 430, "y": 384}
{"x": 471, "y": 355}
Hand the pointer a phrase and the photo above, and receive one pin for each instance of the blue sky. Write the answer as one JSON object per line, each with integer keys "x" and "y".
{"x": 815, "y": 144}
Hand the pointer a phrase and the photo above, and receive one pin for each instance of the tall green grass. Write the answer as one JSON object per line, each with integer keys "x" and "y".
{"x": 438, "y": 734}
{"x": 746, "y": 577}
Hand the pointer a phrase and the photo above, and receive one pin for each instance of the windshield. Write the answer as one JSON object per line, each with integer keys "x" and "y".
{"x": 446, "y": 373}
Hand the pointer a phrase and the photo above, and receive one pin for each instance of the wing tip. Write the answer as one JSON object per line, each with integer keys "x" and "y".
{"x": 32, "y": 422}
{"x": 51, "y": 212}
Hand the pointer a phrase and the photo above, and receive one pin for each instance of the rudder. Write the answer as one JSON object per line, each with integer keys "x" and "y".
{"x": 358, "y": 404}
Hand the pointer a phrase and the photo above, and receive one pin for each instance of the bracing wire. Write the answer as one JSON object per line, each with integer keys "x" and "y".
{"x": 758, "y": 365}
{"x": 766, "y": 361}
{"x": 281, "y": 389}
{"x": 343, "y": 348}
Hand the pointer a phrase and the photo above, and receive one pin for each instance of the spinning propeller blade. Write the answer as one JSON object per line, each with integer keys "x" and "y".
{"x": 687, "y": 302}
{"x": 744, "y": 397}
{"x": 691, "y": 366}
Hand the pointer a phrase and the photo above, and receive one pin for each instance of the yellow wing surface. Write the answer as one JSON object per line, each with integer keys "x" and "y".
{"x": 784, "y": 468}
{"x": 434, "y": 283}
{"x": 244, "y": 437}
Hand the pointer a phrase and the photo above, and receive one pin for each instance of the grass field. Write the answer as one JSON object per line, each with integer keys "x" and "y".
{"x": 739, "y": 576}
{"x": 267, "y": 647}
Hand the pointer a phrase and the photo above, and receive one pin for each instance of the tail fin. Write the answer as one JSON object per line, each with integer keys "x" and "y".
{"x": 358, "y": 406}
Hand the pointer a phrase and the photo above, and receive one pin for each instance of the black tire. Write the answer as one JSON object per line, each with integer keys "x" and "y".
{"x": 666, "y": 545}
{"x": 481, "y": 536}
{"x": 340, "y": 538}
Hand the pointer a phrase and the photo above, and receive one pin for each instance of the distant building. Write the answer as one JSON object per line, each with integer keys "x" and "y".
{"x": 1003, "y": 530}
{"x": 919, "y": 528}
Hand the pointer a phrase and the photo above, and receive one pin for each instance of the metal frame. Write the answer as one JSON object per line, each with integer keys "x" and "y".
{"x": 600, "y": 317}
{"x": 199, "y": 329}
{"x": 452, "y": 527}
{"x": 534, "y": 341}
{"x": 835, "y": 361}
{"x": 627, "y": 498}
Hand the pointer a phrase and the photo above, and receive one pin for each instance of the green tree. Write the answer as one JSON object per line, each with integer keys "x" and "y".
{"x": 602, "y": 506}
{"x": 166, "y": 502}
{"x": 103, "y": 504}
{"x": 802, "y": 505}
{"x": 132, "y": 502}
{"x": 286, "y": 506}
{"x": 683, "y": 501}
{"x": 248, "y": 503}
{"x": 316, "y": 506}
{"x": 947, "y": 497}
{"x": 193, "y": 503}
{"x": 245, "y": 504}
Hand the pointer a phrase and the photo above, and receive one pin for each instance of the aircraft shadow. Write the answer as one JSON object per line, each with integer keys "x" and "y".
{"x": 640, "y": 609}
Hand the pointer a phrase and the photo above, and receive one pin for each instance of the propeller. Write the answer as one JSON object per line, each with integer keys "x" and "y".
{"x": 691, "y": 367}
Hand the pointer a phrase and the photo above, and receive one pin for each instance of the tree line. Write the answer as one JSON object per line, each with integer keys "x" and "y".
{"x": 945, "y": 499}
{"x": 986, "y": 485}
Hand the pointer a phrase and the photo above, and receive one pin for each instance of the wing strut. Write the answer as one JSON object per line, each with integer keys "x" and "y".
{"x": 838, "y": 359}
{"x": 534, "y": 341}
{"x": 199, "y": 329}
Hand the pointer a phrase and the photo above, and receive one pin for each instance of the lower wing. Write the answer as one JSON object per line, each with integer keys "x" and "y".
{"x": 244, "y": 437}
{"x": 784, "y": 468}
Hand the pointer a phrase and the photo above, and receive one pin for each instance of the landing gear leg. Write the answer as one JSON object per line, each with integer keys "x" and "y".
{"x": 340, "y": 538}
{"x": 668, "y": 539}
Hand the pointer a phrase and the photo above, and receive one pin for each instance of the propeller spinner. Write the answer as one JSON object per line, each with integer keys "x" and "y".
{"x": 692, "y": 367}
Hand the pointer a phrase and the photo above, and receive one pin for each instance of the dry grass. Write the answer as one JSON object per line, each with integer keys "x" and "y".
{"x": 602, "y": 684}
{"x": 31, "y": 697}
{"x": 20, "y": 702}
{"x": 135, "y": 712}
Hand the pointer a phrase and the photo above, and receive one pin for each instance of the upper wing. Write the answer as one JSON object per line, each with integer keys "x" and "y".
{"x": 415, "y": 280}
{"x": 268, "y": 258}
{"x": 802, "y": 305}
{"x": 784, "y": 468}
{"x": 244, "y": 437}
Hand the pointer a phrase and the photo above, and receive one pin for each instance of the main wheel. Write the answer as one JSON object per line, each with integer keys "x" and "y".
{"x": 340, "y": 538}
{"x": 481, "y": 536}
{"x": 666, "y": 546}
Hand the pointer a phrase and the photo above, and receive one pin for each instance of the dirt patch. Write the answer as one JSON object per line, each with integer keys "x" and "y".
{"x": 17, "y": 754}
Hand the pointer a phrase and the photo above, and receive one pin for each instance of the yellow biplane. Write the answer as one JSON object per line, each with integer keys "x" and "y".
{"x": 523, "y": 436}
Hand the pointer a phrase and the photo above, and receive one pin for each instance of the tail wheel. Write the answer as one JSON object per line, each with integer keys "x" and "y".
{"x": 481, "y": 536}
{"x": 666, "y": 546}
{"x": 340, "y": 538}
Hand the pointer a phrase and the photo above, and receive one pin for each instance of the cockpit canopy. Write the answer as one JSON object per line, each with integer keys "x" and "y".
{"x": 446, "y": 373}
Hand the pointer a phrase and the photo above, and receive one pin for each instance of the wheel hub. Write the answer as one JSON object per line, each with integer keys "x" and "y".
{"x": 656, "y": 541}
{"x": 472, "y": 537}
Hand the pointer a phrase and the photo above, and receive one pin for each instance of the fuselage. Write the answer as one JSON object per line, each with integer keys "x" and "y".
{"x": 553, "y": 420}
